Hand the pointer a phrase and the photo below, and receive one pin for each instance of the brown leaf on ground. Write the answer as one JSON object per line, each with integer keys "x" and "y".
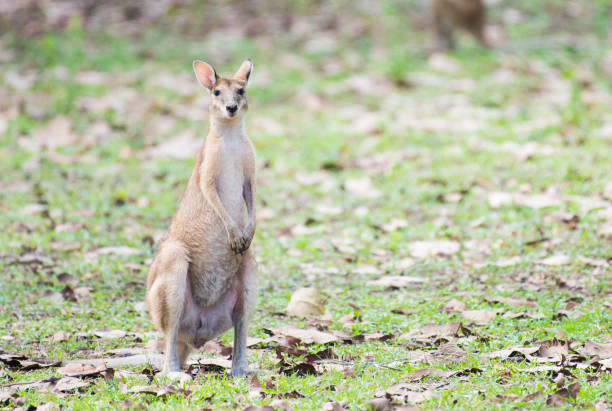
{"x": 560, "y": 397}
{"x": 62, "y": 246}
{"x": 595, "y": 262}
{"x": 48, "y": 406}
{"x": 60, "y": 336}
{"x": 326, "y": 354}
{"x": 596, "y": 349}
{"x": 514, "y": 302}
{"x": 405, "y": 393}
{"x": 397, "y": 281}
{"x": 406, "y": 312}
{"x": 559, "y": 259}
{"x": 553, "y": 348}
{"x": 123, "y": 251}
{"x": 480, "y": 316}
{"x": 67, "y": 384}
{"x": 532, "y": 396}
{"x": 216, "y": 347}
{"x": 110, "y": 335}
{"x": 254, "y": 384}
{"x": 513, "y": 352}
{"x": 449, "y": 352}
{"x": 300, "y": 369}
{"x": 158, "y": 391}
{"x": 378, "y": 337}
{"x": 65, "y": 278}
{"x": 68, "y": 294}
{"x": 348, "y": 372}
{"x": 454, "y": 305}
{"x": 418, "y": 375}
{"x": 22, "y": 363}
{"x": 332, "y": 406}
{"x": 215, "y": 364}
{"x": 523, "y": 314}
{"x": 436, "y": 330}
{"x": 58, "y": 132}
{"x": 87, "y": 371}
{"x": 379, "y": 404}
{"x": 306, "y": 302}
{"x": 306, "y": 336}
{"x": 425, "y": 249}
{"x": 541, "y": 368}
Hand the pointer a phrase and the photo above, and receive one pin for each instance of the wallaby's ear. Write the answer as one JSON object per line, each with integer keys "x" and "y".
{"x": 244, "y": 72}
{"x": 205, "y": 74}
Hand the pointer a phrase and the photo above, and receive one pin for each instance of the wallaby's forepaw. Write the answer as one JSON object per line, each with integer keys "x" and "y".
{"x": 240, "y": 243}
{"x": 236, "y": 240}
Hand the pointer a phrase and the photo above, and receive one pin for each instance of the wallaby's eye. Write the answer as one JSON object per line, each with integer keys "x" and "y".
{"x": 216, "y": 92}
{"x": 241, "y": 91}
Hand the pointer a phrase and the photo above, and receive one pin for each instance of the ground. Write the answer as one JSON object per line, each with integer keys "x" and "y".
{"x": 471, "y": 190}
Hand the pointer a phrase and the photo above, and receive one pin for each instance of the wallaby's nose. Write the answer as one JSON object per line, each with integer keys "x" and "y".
{"x": 231, "y": 109}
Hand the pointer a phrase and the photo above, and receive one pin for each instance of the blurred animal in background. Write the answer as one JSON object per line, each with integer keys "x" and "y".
{"x": 449, "y": 15}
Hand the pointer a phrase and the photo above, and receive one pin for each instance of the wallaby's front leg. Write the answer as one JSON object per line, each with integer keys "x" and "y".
{"x": 248, "y": 193}
{"x": 209, "y": 189}
{"x": 242, "y": 314}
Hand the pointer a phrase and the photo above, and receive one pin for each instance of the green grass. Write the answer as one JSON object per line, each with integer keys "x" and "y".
{"x": 444, "y": 133}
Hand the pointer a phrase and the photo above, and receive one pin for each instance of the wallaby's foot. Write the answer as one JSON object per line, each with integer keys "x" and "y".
{"x": 242, "y": 371}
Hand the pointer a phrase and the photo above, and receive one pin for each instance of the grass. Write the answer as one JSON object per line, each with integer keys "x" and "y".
{"x": 460, "y": 131}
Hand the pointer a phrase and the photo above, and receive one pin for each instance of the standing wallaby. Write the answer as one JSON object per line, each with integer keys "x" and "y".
{"x": 203, "y": 279}
{"x": 448, "y": 15}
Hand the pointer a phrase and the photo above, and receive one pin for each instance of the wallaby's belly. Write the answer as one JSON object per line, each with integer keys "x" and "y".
{"x": 202, "y": 324}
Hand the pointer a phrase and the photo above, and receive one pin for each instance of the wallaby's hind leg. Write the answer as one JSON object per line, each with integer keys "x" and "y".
{"x": 242, "y": 313}
{"x": 166, "y": 298}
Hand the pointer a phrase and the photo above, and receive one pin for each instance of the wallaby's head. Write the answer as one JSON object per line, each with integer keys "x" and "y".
{"x": 227, "y": 95}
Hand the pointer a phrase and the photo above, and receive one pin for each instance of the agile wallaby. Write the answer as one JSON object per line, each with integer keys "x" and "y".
{"x": 203, "y": 279}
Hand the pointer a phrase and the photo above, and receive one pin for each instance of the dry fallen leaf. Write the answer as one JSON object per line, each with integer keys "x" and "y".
{"x": 559, "y": 397}
{"x": 512, "y": 352}
{"x": 84, "y": 370}
{"x": 60, "y": 336}
{"x": 405, "y": 393}
{"x": 418, "y": 375}
{"x": 306, "y": 302}
{"x": 108, "y": 335}
{"x": 435, "y": 330}
{"x": 397, "y": 281}
{"x": 454, "y": 305}
{"x": 362, "y": 187}
{"x": 514, "y": 302}
{"x": 307, "y": 336}
{"x": 481, "y": 316}
{"x": 67, "y": 384}
{"x": 596, "y": 349}
{"x": 424, "y": 249}
{"x": 559, "y": 259}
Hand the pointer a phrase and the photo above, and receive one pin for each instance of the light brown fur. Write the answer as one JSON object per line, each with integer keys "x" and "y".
{"x": 449, "y": 15}
{"x": 204, "y": 276}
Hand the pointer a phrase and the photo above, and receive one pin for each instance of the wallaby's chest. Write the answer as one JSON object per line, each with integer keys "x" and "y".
{"x": 230, "y": 178}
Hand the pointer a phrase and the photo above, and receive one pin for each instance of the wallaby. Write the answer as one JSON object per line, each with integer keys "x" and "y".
{"x": 203, "y": 279}
{"x": 448, "y": 15}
